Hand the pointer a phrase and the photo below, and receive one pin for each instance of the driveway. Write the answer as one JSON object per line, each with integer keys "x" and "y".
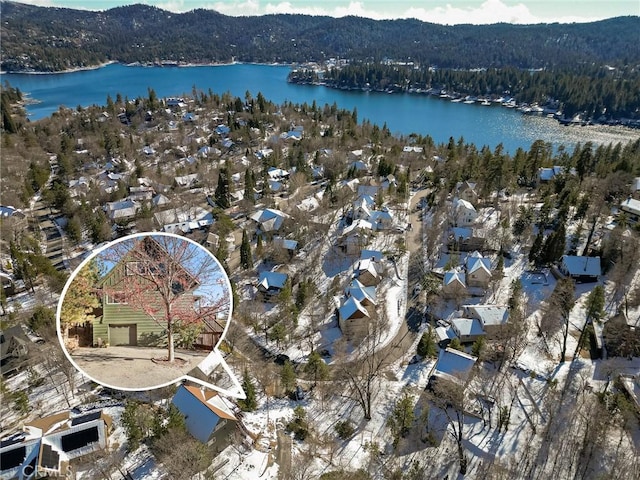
{"x": 133, "y": 367}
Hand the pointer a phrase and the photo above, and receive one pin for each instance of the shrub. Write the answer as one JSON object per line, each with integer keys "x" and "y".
{"x": 344, "y": 429}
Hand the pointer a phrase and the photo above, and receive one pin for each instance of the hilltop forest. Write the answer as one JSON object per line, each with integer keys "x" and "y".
{"x": 53, "y": 39}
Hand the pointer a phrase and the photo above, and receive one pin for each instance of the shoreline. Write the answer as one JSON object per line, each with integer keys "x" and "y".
{"x": 146, "y": 65}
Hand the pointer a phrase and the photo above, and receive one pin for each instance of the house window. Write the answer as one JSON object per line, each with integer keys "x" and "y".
{"x": 135, "y": 268}
{"x": 116, "y": 298}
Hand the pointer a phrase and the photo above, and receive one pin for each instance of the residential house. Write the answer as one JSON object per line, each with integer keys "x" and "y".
{"x": 478, "y": 270}
{"x": 186, "y": 181}
{"x": 353, "y": 318}
{"x": 463, "y": 214}
{"x": 120, "y": 323}
{"x": 631, "y": 207}
{"x": 208, "y": 417}
{"x": 367, "y": 272}
{"x": 9, "y": 211}
{"x": 47, "y": 445}
{"x": 381, "y": 219}
{"x": 290, "y": 246}
{"x": 14, "y": 349}
{"x": 368, "y": 190}
{"x": 388, "y": 181}
{"x": 365, "y": 295}
{"x": 270, "y": 284}
{"x": 545, "y": 175}
{"x": 140, "y": 194}
{"x": 183, "y": 219}
{"x": 454, "y": 284}
{"x": 453, "y": 365}
{"x": 121, "y": 210}
{"x": 467, "y": 191}
{"x": 375, "y": 255}
{"x": 160, "y": 200}
{"x": 492, "y": 317}
{"x": 581, "y": 269}
{"x": 467, "y": 329}
{"x": 269, "y": 219}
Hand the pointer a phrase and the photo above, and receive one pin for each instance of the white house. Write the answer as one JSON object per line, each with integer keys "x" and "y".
{"x": 463, "y": 214}
{"x": 121, "y": 210}
{"x": 492, "y": 317}
{"x": 454, "y": 284}
{"x": 467, "y": 329}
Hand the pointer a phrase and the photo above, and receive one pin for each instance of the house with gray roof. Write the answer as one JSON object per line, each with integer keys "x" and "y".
{"x": 492, "y": 317}
{"x": 453, "y": 365}
{"x": 467, "y": 329}
{"x": 631, "y": 207}
{"x": 478, "y": 270}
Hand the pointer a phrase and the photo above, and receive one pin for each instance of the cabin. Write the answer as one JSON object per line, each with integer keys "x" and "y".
{"x": 14, "y": 349}
{"x": 581, "y": 269}
{"x": 121, "y": 323}
{"x": 367, "y": 272}
{"x": 365, "y": 295}
{"x": 454, "y": 284}
{"x": 208, "y": 417}
{"x": 45, "y": 446}
{"x": 492, "y": 317}
{"x": 353, "y": 318}
{"x": 478, "y": 270}
{"x": 453, "y": 365}
{"x": 631, "y": 208}
{"x": 464, "y": 213}
{"x": 269, "y": 219}
{"x": 270, "y": 284}
{"x": 467, "y": 330}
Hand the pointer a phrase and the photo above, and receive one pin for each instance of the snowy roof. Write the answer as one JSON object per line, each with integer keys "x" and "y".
{"x": 581, "y": 266}
{"x": 453, "y": 276}
{"x": 269, "y": 280}
{"x": 159, "y": 200}
{"x": 369, "y": 190}
{"x": 284, "y": 243}
{"x": 184, "y": 219}
{"x": 367, "y": 265}
{"x": 467, "y": 326}
{"x": 358, "y": 291}
{"x": 121, "y": 209}
{"x": 269, "y": 218}
{"x": 462, "y": 232}
{"x": 454, "y": 363}
{"x": 358, "y": 225}
{"x": 350, "y": 307}
{"x": 476, "y": 261}
{"x": 459, "y": 203}
{"x": 374, "y": 254}
{"x": 277, "y": 173}
{"x": 631, "y": 205}
{"x": 489, "y": 315}
{"x": 7, "y": 211}
{"x": 186, "y": 180}
{"x": 212, "y": 401}
{"x": 443, "y": 333}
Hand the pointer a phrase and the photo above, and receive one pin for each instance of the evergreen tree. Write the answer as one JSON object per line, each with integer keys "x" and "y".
{"x": 249, "y": 185}
{"x": 259, "y": 248}
{"x": 536, "y": 248}
{"x": 316, "y": 367}
{"x": 401, "y": 418}
{"x": 222, "y": 196}
{"x": 250, "y": 403}
{"x": 427, "y": 346}
{"x": 478, "y": 347}
{"x": 456, "y": 345}
{"x": 245, "y": 251}
{"x": 288, "y": 376}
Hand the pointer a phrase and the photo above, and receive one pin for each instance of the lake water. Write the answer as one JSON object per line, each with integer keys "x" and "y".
{"x": 403, "y": 113}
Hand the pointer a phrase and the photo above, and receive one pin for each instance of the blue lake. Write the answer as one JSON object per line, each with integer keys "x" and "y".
{"x": 403, "y": 113}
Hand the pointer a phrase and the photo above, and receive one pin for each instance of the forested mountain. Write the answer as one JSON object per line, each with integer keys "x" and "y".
{"x": 51, "y": 39}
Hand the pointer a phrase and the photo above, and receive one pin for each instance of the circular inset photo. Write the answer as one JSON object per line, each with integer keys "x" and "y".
{"x": 144, "y": 311}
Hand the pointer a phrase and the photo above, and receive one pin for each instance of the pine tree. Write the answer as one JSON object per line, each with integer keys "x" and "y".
{"x": 245, "y": 251}
{"x": 288, "y": 376}
{"x": 222, "y": 189}
{"x": 316, "y": 367}
{"x": 401, "y": 418}
{"x": 249, "y": 185}
{"x": 259, "y": 248}
{"x": 456, "y": 345}
{"x": 249, "y": 404}
{"x": 535, "y": 252}
{"x": 427, "y": 346}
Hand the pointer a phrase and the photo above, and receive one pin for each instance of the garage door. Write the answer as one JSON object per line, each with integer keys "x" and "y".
{"x": 122, "y": 335}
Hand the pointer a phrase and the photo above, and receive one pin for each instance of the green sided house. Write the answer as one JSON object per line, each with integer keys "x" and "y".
{"x": 124, "y": 320}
